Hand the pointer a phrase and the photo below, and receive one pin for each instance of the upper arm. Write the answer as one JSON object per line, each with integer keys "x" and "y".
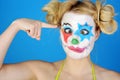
{"x": 16, "y": 72}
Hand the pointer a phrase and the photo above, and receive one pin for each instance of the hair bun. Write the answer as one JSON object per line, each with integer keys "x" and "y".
{"x": 107, "y": 13}
{"x": 56, "y": 9}
{"x": 108, "y": 27}
{"x": 105, "y": 19}
{"x": 52, "y": 9}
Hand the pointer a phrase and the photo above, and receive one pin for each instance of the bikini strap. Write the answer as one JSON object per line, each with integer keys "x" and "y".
{"x": 61, "y": 68}
{"x": 93, "y": 72}
{"x": 59, "y": 72}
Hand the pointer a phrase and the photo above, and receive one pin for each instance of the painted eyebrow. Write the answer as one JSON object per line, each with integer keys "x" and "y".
{"x": 67, "y": 24}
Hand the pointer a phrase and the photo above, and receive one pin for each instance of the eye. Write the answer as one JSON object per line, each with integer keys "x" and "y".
{"x": 68, "y": 30}
{"x": 84, "y": 32}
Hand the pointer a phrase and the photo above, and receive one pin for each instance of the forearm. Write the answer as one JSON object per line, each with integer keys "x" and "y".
{"x": 6, "y": 39}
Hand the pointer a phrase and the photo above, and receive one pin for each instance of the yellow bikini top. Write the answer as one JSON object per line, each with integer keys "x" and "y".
{"x": 61, "y": 68}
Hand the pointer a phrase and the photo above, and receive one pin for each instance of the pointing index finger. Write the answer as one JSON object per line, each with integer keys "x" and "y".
{"x": 45, "y": 25}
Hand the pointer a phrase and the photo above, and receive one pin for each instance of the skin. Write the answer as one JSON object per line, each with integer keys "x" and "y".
{"x": 38, "y": 70}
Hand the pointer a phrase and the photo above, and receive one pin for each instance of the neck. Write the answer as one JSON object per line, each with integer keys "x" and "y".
{"x": 77, "y": 67}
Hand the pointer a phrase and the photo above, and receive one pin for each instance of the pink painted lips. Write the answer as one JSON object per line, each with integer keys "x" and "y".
{"x": 78, "y": 50}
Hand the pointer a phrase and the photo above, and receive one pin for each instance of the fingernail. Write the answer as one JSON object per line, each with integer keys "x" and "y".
{"x": 38, "y": 38}
{"x": 33, "y": 36}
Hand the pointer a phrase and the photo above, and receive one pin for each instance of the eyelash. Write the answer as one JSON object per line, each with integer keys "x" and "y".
{"x": 68, "y": 30}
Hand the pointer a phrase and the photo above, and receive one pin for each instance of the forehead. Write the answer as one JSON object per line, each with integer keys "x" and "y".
{"x": 74, "y": 18}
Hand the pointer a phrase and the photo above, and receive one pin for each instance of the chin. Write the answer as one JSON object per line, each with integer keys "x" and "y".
{"x": 77, "y": 55}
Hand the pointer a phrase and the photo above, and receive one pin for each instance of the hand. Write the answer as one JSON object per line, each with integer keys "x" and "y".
{"x": 32, "y": 27}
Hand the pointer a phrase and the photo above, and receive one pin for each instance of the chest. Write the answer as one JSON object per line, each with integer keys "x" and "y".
{"x": 63, "y": 76}
{"x": 51, "y": 75}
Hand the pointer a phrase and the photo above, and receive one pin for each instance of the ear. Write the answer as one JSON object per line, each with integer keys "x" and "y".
{"x": 97, "y": 34}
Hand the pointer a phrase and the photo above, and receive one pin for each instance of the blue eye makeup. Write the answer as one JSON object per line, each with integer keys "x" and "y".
{"x": 84, "y": 31}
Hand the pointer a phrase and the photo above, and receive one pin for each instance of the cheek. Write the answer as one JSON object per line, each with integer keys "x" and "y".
{"x": 65, "y": 36}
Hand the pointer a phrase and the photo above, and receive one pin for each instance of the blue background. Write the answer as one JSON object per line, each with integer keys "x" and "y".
{"x": 106, "y": 52}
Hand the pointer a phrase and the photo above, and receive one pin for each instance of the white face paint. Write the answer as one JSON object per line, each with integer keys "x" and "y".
{"x": 77, "y": 34}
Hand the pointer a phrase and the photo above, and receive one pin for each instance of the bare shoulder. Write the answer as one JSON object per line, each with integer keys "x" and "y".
{"x": 41, "y": 69}
{"x": 106, "y": 74}
{"x": 40, "y": 65}
{"x": 43, "y": 64}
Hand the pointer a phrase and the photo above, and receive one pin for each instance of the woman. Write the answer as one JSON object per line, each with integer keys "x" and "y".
{"x": 80, "y": 25}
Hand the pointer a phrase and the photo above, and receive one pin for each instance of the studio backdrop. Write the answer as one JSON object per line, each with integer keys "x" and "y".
{"x": 106, "y": 52}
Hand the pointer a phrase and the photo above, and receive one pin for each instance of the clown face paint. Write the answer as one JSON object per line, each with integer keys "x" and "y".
{"x": 77, "y": 34}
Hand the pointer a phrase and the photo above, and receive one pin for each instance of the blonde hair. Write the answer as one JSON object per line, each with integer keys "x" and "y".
{"x": 102, "y": 15}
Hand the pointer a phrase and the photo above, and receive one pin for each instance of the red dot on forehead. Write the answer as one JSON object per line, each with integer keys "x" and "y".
{"x": 65, "y": 35}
